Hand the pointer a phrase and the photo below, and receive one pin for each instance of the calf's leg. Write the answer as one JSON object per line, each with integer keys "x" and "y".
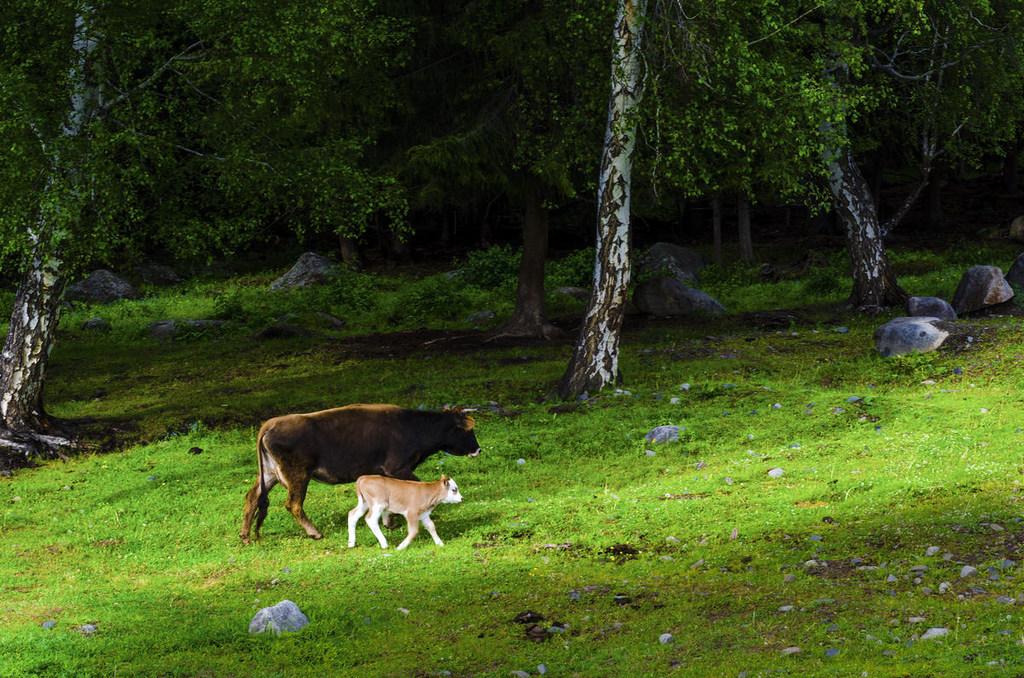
{"x": 371, "y": 520}
{"x": 413, "y": 522}
{"x": 353, "y": 517}
{"x": 297, "y": 495}
{"x": 429, "y": 524}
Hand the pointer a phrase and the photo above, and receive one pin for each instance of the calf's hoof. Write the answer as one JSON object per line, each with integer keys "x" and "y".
{"x": 316, "y": 536}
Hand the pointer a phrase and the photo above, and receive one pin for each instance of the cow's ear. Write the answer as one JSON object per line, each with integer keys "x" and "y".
{"x": 445, "y": 479}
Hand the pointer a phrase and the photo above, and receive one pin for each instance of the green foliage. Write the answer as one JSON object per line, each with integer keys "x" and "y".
{"x": 436, "y": 297}
{"x": 573, "y": 270}
{"x": 496, "y": 266}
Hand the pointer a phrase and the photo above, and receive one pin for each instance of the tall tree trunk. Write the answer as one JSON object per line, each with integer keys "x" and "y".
{"x": 349, "y": 251}
{"x": 1010, "y": 165}
{"x": 528, "y": 319}
{"x": 595, "y": 360}
{"x": 743, "y": 219}
{"x": 874, "y": 283}
{"x": 25, "y": 430}
{"x": 716, "y": 225}
{"x": 936, "y": 217}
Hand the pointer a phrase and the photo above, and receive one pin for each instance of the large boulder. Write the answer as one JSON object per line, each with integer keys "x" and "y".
{"x": 101, "y": 287}
{"x": 285, "y": 616}
{"x": 981, "y": 286}
{"x": 910, "y": 335}
{"x": 667, "y": 296}
{"x": 930, "y": 307}
{"x": 1017, "y": 229}
{"x": 1015, "y": 276}
{"x": 667, "y": 259}
{"x": 310, "y": 269}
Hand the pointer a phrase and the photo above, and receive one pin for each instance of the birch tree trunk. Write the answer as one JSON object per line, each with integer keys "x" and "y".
{"x": 595, "y": 360}
{"x": 25, "y": 429}
{"x": 874, "y": 283}
{"x": 743, "y": 219}
{"x": 528, "y": 320}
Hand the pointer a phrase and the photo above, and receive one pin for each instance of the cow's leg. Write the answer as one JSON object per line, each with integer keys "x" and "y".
{"x": 413, "y": 521}
{"x": 256, "y": 506}
{"x": 353, "y": 517}
{"x": 429, "y": 524}
{"x": 371, "y": 520}
{"x": 297, "y": 495}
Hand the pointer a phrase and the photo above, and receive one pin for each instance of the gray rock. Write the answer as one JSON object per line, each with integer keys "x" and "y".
{"x": 1006, "y": 600}
{"x": 542, "y": 669}
{"x": 520, "y": 674}
{"x": 932, "y": 551}
{"x": 49, "y": 624}
{"x": 665, "y": 296}
{"x": 168, "y": 329}
{"x": 979, "y": 287}
{"x": 480, "y": 317}
{"x": 1017, "y": 229}
{"x": 663, "y": 434}
{"x": 665, "y": 638}
{"x": 791, "y": 650}
{"x": 944, "y": 586}
{"x": 933, "y": 307}
{"x": 909, "y": 335}
{"x": 101, "y": 287}
{"x": 285, "y": 616}
{"x": 87, "y": 629}
{"x": 310, "y": 269}
{"x": 665, "y": 258}
{"x": 776, "y": 473}
{"x": 157, "y": 274}
{"x": 575, "y": 292}
{"x": 96, "y": 325}
{"x": 1015, "y": 276}
{"x": 832, "y": 652}
{"x": 968, "y": 571}
{"x": 935, "y": 632}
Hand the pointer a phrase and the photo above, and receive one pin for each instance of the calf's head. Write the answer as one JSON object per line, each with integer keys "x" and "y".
{"x": 451, "y": 491}
{"x": 460, "y": 438}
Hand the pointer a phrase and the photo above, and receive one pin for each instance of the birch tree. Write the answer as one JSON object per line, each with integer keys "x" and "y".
{"x": 595, "y": 360}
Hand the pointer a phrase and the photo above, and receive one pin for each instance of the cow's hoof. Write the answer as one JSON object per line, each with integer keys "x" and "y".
{"x": 316, "y": 536}
{"x": 246, "y": 540}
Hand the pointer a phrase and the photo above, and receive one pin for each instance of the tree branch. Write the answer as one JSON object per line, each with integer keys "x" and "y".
{"x": 105, "y": 108}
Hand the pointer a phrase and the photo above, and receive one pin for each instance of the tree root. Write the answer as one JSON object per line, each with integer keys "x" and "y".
{"x": 19, "y": 449}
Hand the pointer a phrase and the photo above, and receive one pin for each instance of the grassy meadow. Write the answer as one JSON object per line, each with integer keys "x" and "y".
{"x": 568, "y": 513}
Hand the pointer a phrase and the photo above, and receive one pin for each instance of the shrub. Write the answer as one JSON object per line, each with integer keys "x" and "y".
{"x": 574, "y": 270}
{"x": 436, "y": 297}
{"x": 496, "y": 266}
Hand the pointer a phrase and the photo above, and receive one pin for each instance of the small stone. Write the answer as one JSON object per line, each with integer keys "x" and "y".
{"x": 671, "y": 539}
{"x": 520, "y": 674}
{"x": 968, "y": 571}
{"x": 697, "y": 564}
{"x": 944, "y": 586}
{"x": 48, "y": 624}
{"x": 919, "y": 568}
{"x": 650, "y": 453}
{"x": 854, "y": 399}
{"x": 665, "y": 638}
{"x": 674, "y": 400}
{"x": 699, "y": 465}
{"x": 1006, "y": 600}
{"x": 776, "y": 473}
{"x": 794, "y": 446}
{"x": 786, "y": 608}
{"x": 815, "y": 537}
{"x": 789, "y": 578}
{"x": 542, "y": 669}
{"x": 935, "y": 632}
{"x": 892, "y": 579}
{"x": 811, "y": 563}
{"x": 663, "y": 434}
{"x": 574, "y": 596}
{"x": 404, "y": 610}
{"x": 776, "y": 406}
{"x": 285, "y": 616}
{"x": 832, "y": 652}
{"x": 916, "y": 620}
{"x": 728, "y": 480}
{"x": 520, "y": 461}
{"x": 842, "y": 329}
{"x": 150, "y": 478}
{"x": 837, "y": 410}
{"x": 684, "y": 387}
{"x": 932, "y": 551}
{"x": 791, "y": 650}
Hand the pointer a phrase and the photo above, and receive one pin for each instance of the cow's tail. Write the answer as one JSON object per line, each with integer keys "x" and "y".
{"x": 263, "y": 500}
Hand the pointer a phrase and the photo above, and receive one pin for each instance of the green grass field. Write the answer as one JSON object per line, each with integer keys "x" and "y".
{"x": 882, "y": 459}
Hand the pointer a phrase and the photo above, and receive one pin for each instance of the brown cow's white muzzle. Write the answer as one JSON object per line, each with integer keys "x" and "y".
{"x": 474, "y": 454}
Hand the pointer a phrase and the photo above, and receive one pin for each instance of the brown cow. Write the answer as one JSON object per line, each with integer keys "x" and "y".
{"x": 341, "y": 444}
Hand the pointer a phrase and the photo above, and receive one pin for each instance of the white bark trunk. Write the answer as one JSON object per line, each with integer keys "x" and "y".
{"x": 36, "y": 312}
{"x": 595, "y": 361}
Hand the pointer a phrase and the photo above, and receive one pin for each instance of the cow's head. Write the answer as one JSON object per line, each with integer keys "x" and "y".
{"x": 460, "y": 438}
{"x": 451, "y": 491}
